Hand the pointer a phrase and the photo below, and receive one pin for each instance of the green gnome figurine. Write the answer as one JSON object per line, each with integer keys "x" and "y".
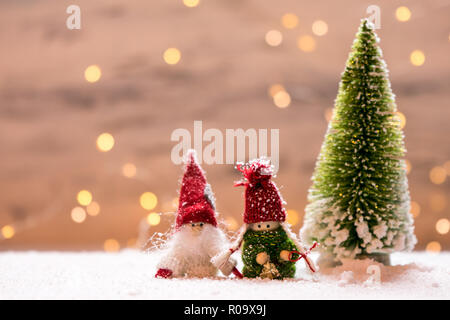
{"x": 269, "y": 248}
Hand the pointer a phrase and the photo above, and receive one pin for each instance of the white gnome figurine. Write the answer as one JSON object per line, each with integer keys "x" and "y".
{"x": 196, "y": 238}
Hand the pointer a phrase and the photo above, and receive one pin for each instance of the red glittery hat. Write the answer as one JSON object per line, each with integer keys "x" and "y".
{"x": 196, "y": 201}
{"x": 263, "y": 201}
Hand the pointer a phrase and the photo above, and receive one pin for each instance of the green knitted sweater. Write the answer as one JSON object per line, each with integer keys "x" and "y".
{"x": 272, "y": 242}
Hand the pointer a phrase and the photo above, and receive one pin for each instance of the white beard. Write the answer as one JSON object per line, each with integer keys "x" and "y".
{"x": 189, "y": 254}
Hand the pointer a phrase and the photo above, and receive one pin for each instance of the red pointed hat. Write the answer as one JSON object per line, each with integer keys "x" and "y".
{"x": 196, "y": 201}
{"x": 263, "y": 201}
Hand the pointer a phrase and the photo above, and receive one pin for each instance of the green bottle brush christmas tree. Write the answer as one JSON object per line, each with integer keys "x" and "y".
{"x": 359, "y": 203}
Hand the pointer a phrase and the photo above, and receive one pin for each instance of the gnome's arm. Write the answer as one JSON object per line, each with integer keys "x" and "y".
{"x": 216, "y": 244}
{"x": 309, "y": 263}
{"x": 222, "y": 258}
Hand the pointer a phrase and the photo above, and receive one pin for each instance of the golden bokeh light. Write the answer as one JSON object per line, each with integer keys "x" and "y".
{"x": 274, "y": 89}
{"x": 403, "y": 14}
{"x": 231, "y": 223}
{"x": 111, "y": 245}
{"x": 84, "y": 197}
{"x": 417, "y": 58}
{"x": 401, "y": 118}
{"x": 306, "y": 43}
{"x": 438, "y": 175}
{"x": 282, "y": 99}
{"x": 274, "y": 38}
{"x": 105, "y": 142}
{"x": 191, "y": 3}
{"x": 289, "y": 20}
{"x": 92, "y": 73}
{"x": 320, "y": 28}
{"x": 438, "y": 202}
{"x": 408, "y": 166}
{"x": 433, "y": 247}
{"x": 148, "y": 200}
{"x": 172, "y": 56}
{"x": 8, "y": 231}
{"x": 292, "y": 217}
{"x": 93, "y": 209}
{"x": 415, "y": 209}
{"x": 78, "y": 214}
{"x": 153, "y": 219}
{"x": 129, "y": 170}
{"x": 443, "y": 226}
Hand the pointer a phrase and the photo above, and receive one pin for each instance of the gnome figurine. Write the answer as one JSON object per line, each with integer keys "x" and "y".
{"x": 270, "y": 249}
{"x": 196, "y": 238}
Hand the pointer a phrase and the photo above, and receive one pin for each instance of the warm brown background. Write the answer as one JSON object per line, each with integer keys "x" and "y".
{"x": 50, "y": 116}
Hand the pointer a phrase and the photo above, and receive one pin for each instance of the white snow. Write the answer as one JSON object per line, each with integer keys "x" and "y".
{"x": 130, "y": 275}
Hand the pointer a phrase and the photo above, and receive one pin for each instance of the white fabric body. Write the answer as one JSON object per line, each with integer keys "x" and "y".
{"x": 189, "y": 252}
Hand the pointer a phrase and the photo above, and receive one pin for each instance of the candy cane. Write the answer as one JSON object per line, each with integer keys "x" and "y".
{"x": 303, "y": 255}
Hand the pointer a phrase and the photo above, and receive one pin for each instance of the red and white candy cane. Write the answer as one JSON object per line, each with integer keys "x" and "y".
{"x": 303, "y": 255}
{"x": 237, "y": 273}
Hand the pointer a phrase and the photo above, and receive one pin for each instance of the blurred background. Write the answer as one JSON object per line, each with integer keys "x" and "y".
{"x": 86, "y": 115}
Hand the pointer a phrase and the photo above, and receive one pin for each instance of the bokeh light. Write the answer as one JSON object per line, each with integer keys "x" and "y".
{"x": 274, "y": 38}
{"x": 231, "y": 223}
{"x": 148, "y": 200}
{"x": 274, "y": 89}
{"x": 433, "y": 247}
{"x": 417, "y": 58}
{"x": 289, "y": 20}
{"x": 191, "y": 3}
{"x": 408, "y": 166}
{"x": 320, "y": 28}
{"x": 92, "y": 73}
{"x": 153, "y": 219}
{"x": 403, "y": 14}
{"x": 105, "y": 142}
{"x": 438, "y": 175}
{"x": 415, "y": 209}
{"x": 292, "y": 217}
{"x": 78, "y": 214}
{"x": 401, "y": 117}
{"x": 172, "y": 56}
{"x": 306, "y": 43}
{"x": 8, "y": 231}
{"x": 84, "y": 197}
{"x": 443, "y": 226}
{"x": 282, "y": 99}
{"x": 93, "y": 209}
{"x": 111, "y": 245}
{"x": 129, "y": 170}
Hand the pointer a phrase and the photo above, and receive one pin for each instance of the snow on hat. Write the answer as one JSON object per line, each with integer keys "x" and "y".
{"x": 196, "y": 201}
{"x": 263, "y": 201}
